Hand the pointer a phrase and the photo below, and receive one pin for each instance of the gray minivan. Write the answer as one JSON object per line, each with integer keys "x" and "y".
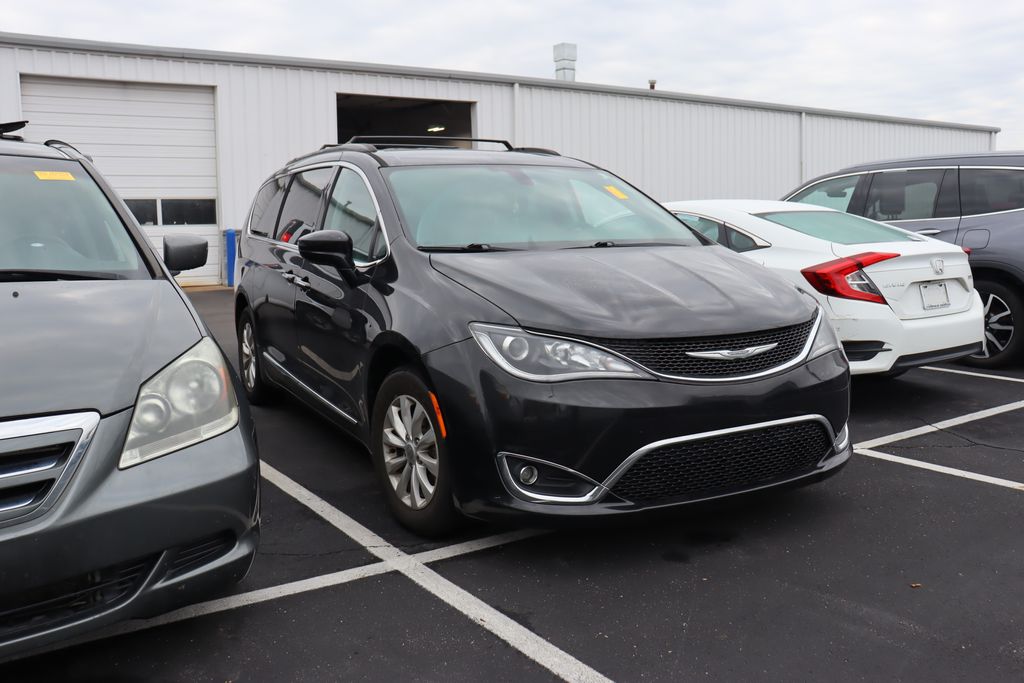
{"x": 974, "y": 200}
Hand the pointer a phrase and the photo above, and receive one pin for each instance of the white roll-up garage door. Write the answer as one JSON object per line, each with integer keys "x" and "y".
{"x": 156, "y": 144}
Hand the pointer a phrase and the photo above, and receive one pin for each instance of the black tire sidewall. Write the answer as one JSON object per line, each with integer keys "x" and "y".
{"x": 439, "y": 517}
{"x": 260, "y": 392}
{"x": 1016, "y": 304}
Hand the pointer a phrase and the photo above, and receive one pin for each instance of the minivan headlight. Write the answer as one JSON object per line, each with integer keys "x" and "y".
{"x": 825, "y": 340}
{"x": 189, "y": 401}
{"x": 541, "y": 358}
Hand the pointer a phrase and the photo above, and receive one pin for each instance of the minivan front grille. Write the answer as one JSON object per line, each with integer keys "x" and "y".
{"x": 38, "y": 456}
{"x": 735, "y": 461}
{"x": 669, "y": 356}
{"x": 71, "y": 600}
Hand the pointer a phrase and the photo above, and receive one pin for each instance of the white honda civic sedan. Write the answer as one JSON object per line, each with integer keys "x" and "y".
{"x": 896, "y": 299}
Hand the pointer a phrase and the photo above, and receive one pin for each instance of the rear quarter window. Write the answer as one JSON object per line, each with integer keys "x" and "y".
{"x": 990, "y": 190}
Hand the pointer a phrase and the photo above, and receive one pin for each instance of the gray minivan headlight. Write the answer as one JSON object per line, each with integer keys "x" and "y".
{"x": 189, "y": 401}
{"x": 540, "y": 358}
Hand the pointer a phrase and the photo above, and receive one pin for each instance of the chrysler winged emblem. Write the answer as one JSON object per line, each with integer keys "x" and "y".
{"x": 732, "y": 354}
{"x": 938, "y": 265}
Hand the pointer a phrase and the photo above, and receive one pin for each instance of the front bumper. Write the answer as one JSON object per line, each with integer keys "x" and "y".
{"x": 130, "y": 543}
{"x": 906, "y": 343}
{"x": 591, "y": 427}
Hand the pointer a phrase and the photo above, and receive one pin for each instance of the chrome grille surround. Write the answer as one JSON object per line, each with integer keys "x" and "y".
{"x": 34, "y": 469}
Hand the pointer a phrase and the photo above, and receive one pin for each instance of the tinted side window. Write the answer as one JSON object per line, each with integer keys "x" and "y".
{"x": 740, "y": 242}
{"x": 302, "y": 204}
{"x": 834, "y": 193}
{"x": 986, "y": 190}
{"x": 903, "y": 195}
{"x": 266, "y": 206}
{"x": 352, "y": 211}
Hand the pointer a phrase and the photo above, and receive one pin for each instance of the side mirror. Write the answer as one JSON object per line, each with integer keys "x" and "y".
{"x": 327, "y": 248}
{"x": 184, "y": 252}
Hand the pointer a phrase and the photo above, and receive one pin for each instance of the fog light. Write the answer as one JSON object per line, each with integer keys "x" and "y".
{"x": 528, "y": 475}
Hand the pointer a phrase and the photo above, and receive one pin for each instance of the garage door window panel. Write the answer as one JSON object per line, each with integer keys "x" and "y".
{"x": 352, "y": 211}
{"x": 302, "y": 204}
{"x": 144, "y": 210}
{"x": 991, "y": 190}
{"x": 189, "y": 211}
{"x": 904, "y": 195}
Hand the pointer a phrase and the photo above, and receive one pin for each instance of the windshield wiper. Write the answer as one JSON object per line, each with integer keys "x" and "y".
{"x": 601, "y": 244}
{"x": 48, "y": 275}
{"x": 475, "y": 246}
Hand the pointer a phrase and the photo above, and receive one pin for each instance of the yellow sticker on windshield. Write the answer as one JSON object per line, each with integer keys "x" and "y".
{"x": 54, "y": 175}
{"x": 615, "y": 192}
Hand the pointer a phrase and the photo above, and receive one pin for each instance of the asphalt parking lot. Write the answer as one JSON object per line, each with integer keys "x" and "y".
{"x": 907, "y": 565}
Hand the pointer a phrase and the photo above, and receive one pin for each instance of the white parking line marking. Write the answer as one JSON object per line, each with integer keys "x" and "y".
{"x": 973, "y": 374}
{"x": 939, "y": 426}
{"x": 512, "y": 632}
{"x": 1016, "y": 485}
{"x": 475, "y": 545}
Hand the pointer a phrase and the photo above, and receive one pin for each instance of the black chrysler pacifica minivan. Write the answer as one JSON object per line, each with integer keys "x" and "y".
{"x": 514, "y": 332}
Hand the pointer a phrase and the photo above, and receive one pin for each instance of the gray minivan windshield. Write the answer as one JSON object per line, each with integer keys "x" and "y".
{"x": 56, "y": 223}
{"x": 488, "y": 207}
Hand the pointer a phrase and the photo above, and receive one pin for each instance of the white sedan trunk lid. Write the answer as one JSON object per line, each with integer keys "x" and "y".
{"x": 928, "y": 278}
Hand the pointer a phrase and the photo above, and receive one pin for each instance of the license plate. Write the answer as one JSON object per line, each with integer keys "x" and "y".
{"x": 934, "y": 295}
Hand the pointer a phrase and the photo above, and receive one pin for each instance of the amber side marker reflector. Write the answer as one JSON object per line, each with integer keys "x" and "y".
{"x": 437, "y": 411}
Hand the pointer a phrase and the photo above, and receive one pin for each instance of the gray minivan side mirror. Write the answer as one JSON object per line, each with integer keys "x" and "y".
{"x": 184, "y": 252}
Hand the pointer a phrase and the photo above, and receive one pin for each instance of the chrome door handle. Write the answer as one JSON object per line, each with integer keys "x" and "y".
{"x": 296, "y": 280}
{"x": 928, "y": 232}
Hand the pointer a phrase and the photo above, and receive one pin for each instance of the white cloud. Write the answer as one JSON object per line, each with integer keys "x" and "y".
{"x": 953, "y": 61}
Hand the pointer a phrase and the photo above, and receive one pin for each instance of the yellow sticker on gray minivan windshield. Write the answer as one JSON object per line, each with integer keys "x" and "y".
{"x": 615, "y": 192}
{"x": 54, "y": 175}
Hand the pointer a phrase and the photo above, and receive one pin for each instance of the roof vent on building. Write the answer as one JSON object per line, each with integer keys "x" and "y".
{"x": 565, "y": 61}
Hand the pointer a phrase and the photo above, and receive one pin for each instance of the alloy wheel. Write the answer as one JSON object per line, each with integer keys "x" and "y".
{"x": 248, "y": 356}
{"x": 998, "y": 326}
{"x": 410, "y": 452}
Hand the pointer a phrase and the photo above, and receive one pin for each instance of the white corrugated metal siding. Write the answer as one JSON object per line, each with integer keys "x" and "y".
{"x": 269, "y": 110}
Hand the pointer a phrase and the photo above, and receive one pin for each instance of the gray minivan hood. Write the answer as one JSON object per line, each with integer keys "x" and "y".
{"x": 86, "y": 345}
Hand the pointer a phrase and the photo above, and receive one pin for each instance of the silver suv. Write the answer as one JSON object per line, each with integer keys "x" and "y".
{"x": 974, "y": 200}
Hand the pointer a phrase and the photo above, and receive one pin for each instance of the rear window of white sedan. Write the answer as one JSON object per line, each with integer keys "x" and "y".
{"x": 834, "y": 226}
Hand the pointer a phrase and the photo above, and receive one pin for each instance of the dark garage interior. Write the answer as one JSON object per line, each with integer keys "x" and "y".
{"x": 373, "y": 115}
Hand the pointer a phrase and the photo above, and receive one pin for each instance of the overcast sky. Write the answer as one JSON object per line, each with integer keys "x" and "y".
{"x": 953, "y": 61}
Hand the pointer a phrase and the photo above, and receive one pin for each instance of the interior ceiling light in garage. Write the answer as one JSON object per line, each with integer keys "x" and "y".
{"x": 435, "y": 129}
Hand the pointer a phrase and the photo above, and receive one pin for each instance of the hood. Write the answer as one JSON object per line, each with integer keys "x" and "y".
{"x": 86, "y": 345}
{"x": 631, "y": 292}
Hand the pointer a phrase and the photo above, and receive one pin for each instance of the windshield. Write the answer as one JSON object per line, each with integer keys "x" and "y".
{"x": 55, "y": 219}
{"x": 842, "y": 228}
{"x": 528, "y": 207}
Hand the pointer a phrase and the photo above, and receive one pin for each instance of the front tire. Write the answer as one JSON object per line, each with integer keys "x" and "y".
{"x": 1004, "y": 314}
{"x": 410, "y": 456}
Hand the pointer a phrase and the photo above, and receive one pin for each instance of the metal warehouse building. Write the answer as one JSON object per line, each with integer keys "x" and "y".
{"x": 186, "y": 136}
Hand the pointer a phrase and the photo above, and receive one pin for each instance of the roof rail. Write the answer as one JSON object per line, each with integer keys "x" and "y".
{"x": 63, "y": 146}
{"x": 419, "y": 140}
{"x": 10, "y": 127}
{"x": 537, "y": 150}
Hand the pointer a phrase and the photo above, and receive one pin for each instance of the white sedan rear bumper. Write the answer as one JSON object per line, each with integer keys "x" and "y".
{"x": 903, "y": 343}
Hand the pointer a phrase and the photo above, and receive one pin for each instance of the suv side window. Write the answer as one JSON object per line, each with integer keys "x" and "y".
{"x": 834, "y": 193}
{"x": 987, "y": 190}
{"x": 903, "y": 195}
{"x": 267, "y": 206}
{"x": 302, "y": 204}
{"x": 352, "y": 211}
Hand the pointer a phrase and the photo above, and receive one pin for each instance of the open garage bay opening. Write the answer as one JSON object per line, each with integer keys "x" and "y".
{"x": 373, "y": 115}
